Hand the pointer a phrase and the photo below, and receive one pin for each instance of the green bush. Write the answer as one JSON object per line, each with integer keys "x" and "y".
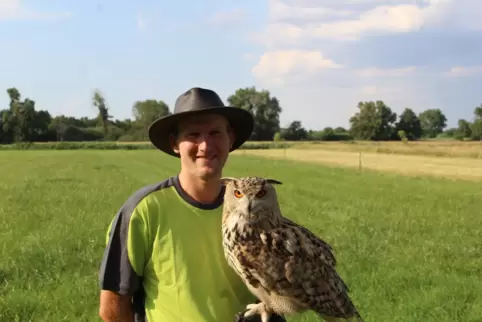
{"x": 265, "y": 145}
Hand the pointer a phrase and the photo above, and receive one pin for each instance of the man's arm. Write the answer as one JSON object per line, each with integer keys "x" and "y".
{"x": 115, "y": 308}
{"x": 122, "y": 267}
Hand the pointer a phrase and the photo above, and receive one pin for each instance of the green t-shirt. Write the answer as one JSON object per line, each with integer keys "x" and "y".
{"x": 165, "y": 250}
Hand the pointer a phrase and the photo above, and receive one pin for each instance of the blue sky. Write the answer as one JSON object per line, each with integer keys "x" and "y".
{"x": 319, "y": 57}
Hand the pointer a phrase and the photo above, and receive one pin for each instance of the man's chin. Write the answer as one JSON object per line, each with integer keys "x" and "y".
{"x": 208, "y": 171}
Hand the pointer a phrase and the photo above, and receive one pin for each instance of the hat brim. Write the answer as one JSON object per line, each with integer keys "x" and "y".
{"x": 240, "y": 120}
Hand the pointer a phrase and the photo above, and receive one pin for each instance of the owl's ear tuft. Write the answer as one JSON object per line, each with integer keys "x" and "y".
{"x": 226, "y": 180}
{"x": 273, "y": 181}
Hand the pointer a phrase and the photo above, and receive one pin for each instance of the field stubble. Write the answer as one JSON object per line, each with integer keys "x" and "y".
{"x": 439, "y": 148}
{"x": 409, "y": 248}
{"x": 411, "y": 165}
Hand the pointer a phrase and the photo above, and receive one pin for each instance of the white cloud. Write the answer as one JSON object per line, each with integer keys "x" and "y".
{"x": 14, "y": 10}
{"x": 279, "y": 10}
{"x": 322, "y": 21}
{"x": 321, "y": 91}
{"x": 292, "y": 66}
{"x": 276, "y": 66}
{"x": 310, "y": 54}
{"x": 462, "y": 71}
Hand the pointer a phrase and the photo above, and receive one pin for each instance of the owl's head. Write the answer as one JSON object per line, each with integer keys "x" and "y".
{"x": 250, "y": 199}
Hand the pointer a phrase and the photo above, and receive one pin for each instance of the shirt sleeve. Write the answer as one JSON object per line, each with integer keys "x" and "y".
{"x": 122, "y": 266}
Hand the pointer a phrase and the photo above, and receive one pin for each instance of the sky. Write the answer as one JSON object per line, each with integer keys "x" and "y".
{"x": 318, "y": 57}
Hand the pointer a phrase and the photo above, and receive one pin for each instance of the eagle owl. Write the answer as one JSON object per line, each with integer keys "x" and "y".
{"x": 287, "y": 267}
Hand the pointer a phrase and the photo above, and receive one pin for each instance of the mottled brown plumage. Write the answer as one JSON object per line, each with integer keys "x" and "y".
{"x": 287, "y": 267}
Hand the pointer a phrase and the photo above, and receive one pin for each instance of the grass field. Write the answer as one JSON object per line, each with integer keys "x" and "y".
{"x": 409, "y": 247}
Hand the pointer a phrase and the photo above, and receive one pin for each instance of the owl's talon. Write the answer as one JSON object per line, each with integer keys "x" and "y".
{"x": 258, "y": 309}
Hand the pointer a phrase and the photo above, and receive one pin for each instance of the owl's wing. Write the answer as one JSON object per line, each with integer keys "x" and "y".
{"x": 319, "y": 247}
{"x": 293, "y": 262}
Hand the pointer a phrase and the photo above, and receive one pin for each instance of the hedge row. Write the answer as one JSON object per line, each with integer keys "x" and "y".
{"x": 119, "y": 146}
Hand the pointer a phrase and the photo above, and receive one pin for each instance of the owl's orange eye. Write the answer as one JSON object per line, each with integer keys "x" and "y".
{"x": 238, "y": 194}
{"x": 261, "y": 193}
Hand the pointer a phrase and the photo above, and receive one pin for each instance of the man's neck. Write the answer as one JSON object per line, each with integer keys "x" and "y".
{"x": 200, "y": 190}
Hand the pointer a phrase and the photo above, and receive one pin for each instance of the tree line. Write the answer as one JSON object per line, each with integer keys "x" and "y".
{"x": 374, "y": 120}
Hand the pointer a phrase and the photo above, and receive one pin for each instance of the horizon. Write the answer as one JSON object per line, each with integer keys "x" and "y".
{"x": 314, "y": 56}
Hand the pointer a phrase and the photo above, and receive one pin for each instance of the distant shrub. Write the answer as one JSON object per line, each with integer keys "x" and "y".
{"x": 277, "y": 137}
{"x": 265, "y": 145}
{"x": 403, "y": 136}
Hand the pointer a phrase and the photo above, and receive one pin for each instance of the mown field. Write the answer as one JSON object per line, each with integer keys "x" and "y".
{"x": 411, "y": 165}
{"x": 438, "y": 148}
{"x": 408, "y": 246}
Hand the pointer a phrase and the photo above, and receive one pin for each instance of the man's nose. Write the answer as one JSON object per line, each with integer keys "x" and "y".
{"x": 205, "y": 141}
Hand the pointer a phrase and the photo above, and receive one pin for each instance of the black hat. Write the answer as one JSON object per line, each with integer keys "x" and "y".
{"x": 198, "y": 101}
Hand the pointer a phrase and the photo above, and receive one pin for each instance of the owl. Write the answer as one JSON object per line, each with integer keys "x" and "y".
{"x": 288, "y": 268}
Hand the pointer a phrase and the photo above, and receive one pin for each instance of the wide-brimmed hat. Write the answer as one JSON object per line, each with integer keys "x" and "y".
{"x": 198, "y": 101}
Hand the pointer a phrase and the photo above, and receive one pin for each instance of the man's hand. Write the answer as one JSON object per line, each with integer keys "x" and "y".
{"x": 114, "y": 307}
{"x": 256, "y": 318}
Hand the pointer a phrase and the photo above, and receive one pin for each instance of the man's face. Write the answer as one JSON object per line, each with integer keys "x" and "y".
{"x": 203, "y": 143}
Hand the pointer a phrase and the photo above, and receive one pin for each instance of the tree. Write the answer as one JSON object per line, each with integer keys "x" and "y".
{"x": 14, "y": 95}
{"x": 433, "y": 122}
{"x": 478, "y": 112}
{"x": 374, "y": 121}
{"x": 19, "y": 121}
{"x": 264, "y": 108}
{"x": 463, "y": 129}
{"x": 476, "y": 127}
{"x": 6, "y": 126}
{"x": 147, "y": 111}
{"x": 294, "y": 132}
{"x": 410, "y": 124}
{"x": 25, "y": 113}
{"x": 103, "y": 117}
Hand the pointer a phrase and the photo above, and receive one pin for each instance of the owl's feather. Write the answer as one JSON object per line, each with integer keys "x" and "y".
{"x": 284, "y": 264}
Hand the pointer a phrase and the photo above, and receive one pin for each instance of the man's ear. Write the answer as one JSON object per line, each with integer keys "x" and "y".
{"x": 172, "y": 140}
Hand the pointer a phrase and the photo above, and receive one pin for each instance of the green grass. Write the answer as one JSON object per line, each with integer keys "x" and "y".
{"x": 409, "y": 248}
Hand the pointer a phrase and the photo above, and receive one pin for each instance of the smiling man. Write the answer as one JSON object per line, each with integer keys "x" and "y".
{"x": 164, "y": 259}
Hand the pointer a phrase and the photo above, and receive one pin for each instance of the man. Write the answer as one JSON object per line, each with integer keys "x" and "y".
{"x": 164, "y": 259}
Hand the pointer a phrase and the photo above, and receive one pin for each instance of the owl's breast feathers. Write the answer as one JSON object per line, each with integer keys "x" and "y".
{"x": 289, "y": 261}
